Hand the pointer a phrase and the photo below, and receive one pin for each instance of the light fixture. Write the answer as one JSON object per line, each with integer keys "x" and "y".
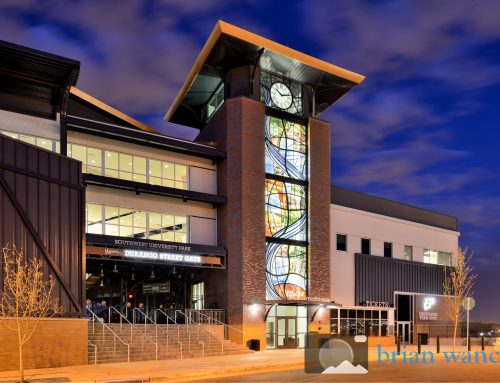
{"x": 152, "y": 276}
{"x": 133, "y": 275}
{"x": 102, "y": 272}
{"x": 174, "y": 272}
{"x": 115, "y": 269}
{"x": 102, "y": 282}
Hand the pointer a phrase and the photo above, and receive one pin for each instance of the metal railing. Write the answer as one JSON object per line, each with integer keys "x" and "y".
{"x": 95, "y": 350}
{"x": 187, "y": 322}
{"x": 94, "y": 317}
{"x": 209, "y": 320}
{"x": 169, "y": 320}
{"x": 201, "y": 316}
{"x": 153, "y": 322}
{"x": 143, "y": 336}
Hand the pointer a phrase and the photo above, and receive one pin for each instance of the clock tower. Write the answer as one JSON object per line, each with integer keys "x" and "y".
{"x": 259, "y": 101}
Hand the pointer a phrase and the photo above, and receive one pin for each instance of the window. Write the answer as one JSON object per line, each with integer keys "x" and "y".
{"x": 42, "y": 142}
{"x": 359, "y": 322}
{"x": 444, "y": 258}
{"x": 365, "y": 246}
{"x": 342, "y": 242}
{"x": 216, "y": 101}
{"x": 198, "y": 295}
{"x": 408, "y": 255}
{"x": 125, "y": 222}
{"x": 128, "y": 167}
{"x": 388, "y": 249}
{"x": 437, "y": 257}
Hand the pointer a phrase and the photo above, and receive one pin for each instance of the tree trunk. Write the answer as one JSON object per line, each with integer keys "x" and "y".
{"x": 21, "y": 367}
{"x": 455, "y": 325}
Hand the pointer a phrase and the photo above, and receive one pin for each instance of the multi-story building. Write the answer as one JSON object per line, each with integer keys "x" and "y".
{"x": 241, "y": 223}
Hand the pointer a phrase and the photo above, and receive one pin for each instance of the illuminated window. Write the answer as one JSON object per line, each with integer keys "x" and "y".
{"x": 285, "y": 210}
{"x": 94, "y": 218}
{"x": 125, "y": 222}
{"x": 128, "y": 167}
{"x": 408, "y": 255}
{"x": 286, "y": 148}
{"x": 42, "y": 142}
{"x": 198, "y": 295}
{"x": 94, "y": 161}
{"x": 111, "y": 164}
{"x": 437, "y": 257}
{"x": 286, "y": 271}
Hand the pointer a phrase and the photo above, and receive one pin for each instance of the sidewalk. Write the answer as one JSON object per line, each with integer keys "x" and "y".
{"x": 168, "y": 370}
{"x": 177, "y": 370}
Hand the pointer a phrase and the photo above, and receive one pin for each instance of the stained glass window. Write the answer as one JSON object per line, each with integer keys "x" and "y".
{"x": 285, "y": 210}
{"x": 286, "y": 148}
{"x": 286, "y": 272}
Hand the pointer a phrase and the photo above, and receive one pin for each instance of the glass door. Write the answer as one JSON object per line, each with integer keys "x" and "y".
{"x": 286, "y": 332}
{"x": 404, "y": 331}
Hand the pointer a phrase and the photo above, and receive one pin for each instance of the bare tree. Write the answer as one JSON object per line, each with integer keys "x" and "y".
{"x": 25, "y": 298}
{"x": 458, "y": 284}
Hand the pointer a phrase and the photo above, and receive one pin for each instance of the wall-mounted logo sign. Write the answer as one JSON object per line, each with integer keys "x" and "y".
{"x": 429, "y": 302}
{"x": 376, "y": 304}
{"x": 161, "y": 256}
{"x": 426, "y": 315}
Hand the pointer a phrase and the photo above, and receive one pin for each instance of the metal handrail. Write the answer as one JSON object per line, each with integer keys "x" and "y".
{"x": 132, "y": 327}
{"x": 165, "y": 314}
{"x": 153, "y": 322}
{"x": 226, "y": 326}
{"x": 115, "y": 336}
{"x": 168, "y": 318}
{"x": 210, "y": 335}
{"x": 95, "y": 350}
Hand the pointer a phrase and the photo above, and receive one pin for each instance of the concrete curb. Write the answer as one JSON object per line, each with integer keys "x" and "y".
{"x": 206, "y": 374}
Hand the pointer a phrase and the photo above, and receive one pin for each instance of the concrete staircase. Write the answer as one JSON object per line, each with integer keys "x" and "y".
{"x": 151, "y": 342}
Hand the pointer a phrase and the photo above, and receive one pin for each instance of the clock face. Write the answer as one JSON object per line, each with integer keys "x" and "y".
{"x": 281, "y": 95}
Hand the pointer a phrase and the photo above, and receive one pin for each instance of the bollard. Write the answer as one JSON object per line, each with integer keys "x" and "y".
{"x": 438, "y": 346}
{"x": 468, "y": 344}
{"x": 419, "y": 344}
{"x": 399, "y": 345}
{"x": 482, "y": 343}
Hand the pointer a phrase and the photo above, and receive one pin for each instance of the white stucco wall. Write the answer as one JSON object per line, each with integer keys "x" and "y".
{"x": 31, "y": 125}
{"x": 357, "y": 224}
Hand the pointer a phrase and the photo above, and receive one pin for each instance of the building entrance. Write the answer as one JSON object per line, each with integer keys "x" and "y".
{"x": 141, "y": 286}
{"x": 404, "y": 331}
{"x": 286, "y": 334}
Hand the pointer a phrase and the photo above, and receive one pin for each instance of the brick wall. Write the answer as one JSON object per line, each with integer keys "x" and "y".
{"x": 238, "y": 128}
{"x": 56, "y": 342}
{"x": 319, "y": 208}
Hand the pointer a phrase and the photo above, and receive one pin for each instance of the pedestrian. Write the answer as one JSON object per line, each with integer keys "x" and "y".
{"x": 140, "y": 314}
{"x": 160, "y": 316}
{"x": 128, "y": 312}
{"x": 88, "y": 309}
{"x": 103, "y": 310}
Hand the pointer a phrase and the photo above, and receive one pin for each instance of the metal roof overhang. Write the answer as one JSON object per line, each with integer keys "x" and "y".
{"x": 33, "y": 81}
{"x": 229, "y": 47}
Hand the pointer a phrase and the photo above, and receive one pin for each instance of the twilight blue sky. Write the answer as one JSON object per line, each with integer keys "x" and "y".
{"x": 421, "y": 129}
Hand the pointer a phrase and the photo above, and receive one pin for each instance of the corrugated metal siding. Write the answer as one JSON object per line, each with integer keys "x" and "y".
{"x": 377, "y": 278}
{"x": 47, "y": 189}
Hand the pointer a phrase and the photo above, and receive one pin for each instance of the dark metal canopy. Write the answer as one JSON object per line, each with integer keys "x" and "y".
{"x": 232, "y": 47}
{"x": 34, "y": 82}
